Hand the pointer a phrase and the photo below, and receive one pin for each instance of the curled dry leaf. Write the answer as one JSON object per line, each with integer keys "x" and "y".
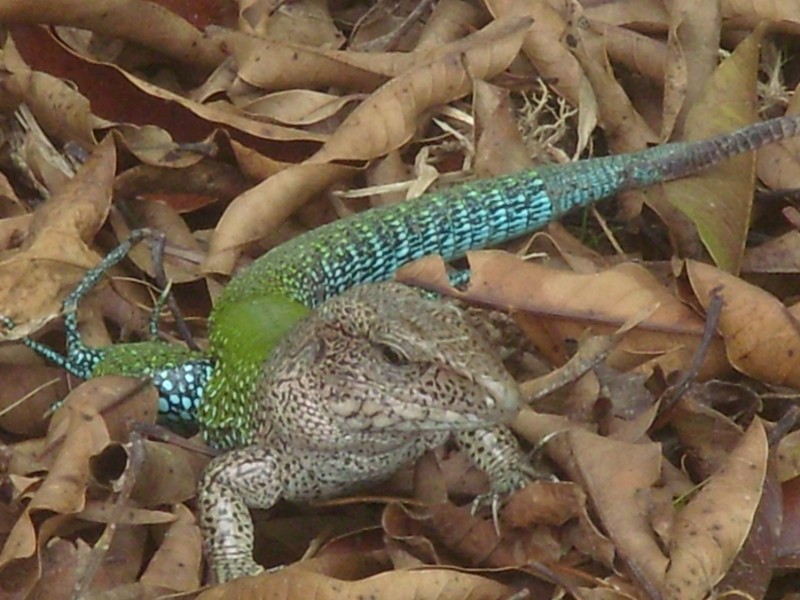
{"x": 39, "y": 386}
{"x": 475, "y": 539}
{"x": 298, "y": 107}
{"x": 788, "y": 456}
{"x": 388, "y": 118}
{"x": 762, "y": 338}
{"x": 63, "y": 488}
{"x": 778, "y": 255}
{"x": 274, "y": 66}
{"x": 97, "y": 511}
{"x": 168, "y": 474}
{"x": 711, "y": 529}
{"x": 121, "y": 401}
{"x": 693, "y": 45}
{"x": 624, "y": 126}
{"x": 756, "y": 11}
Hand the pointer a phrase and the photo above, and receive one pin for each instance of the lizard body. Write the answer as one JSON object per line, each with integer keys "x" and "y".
{"x": 263, "y": 302}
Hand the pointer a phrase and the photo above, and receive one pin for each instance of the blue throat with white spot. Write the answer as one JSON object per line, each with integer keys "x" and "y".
{"x": 181, "y": 389}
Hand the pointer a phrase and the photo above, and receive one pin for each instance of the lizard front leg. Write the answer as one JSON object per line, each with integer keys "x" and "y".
{"x": 248, "y": 477}
{"x": 497, "y": 453}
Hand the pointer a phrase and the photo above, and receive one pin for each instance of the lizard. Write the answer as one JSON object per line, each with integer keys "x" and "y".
{"x": 221, "y": 389}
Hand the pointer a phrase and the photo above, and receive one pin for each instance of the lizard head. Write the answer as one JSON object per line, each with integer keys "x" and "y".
{"x": 383, "y": 358}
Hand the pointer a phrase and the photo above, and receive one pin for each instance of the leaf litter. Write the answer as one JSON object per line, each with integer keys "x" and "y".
{"x": 228, "y": 128}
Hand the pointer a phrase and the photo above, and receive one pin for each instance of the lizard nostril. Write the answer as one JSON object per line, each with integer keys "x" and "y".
{"x": 502, "y": 396}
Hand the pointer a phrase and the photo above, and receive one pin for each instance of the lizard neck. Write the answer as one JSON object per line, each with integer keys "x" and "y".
{"x": 248, "y": 331}
{"x": 180, "y": 375}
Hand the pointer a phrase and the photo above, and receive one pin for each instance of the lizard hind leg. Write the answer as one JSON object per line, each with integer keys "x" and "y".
{"x": 81, "y": 360}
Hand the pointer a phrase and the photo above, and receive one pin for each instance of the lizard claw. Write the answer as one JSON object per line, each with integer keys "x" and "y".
{"x": 501, "y": 490}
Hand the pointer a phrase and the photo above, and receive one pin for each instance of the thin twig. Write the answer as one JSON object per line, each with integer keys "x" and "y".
{"x": 159, "y": 243}
{"x": 676, "y": 391}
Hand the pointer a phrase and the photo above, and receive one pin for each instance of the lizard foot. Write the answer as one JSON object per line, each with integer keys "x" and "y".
{"x": 496, "y": 451}
{"x": 506, "y": 484}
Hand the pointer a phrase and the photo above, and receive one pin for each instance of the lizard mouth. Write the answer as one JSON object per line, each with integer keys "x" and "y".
{"x": 500, "y": 404}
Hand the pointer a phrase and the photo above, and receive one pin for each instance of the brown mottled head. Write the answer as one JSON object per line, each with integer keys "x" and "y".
{"x": 381, "y": 357}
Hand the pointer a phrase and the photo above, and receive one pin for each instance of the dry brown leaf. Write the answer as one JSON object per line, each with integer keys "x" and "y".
{"x": 569, "y": 302}
{"x": 167, "y": 475}
{"x": 640, "y": 53}
{"x": 762, "y": 338}
{"x": 176, "y": 565}
{"x": 618, "y": 476}
{"x": 544, "y": 503}
{"x": 781, "y": 254}
{"x": 788, "y": 456}
{"x": 399, "y": 585}
{"x": 59, "y": 109}
{"x": 500, "y": 148}
{"x": 624, "y": 127}
{"x": 97, "y": 511}
{"x": 544, "y": 46}
{"x": 450, "y": 20}
{"x": 20, "y": 542}
{"x": 650, "y": 13}
{"x": 754, "y": 11}
{"x": 298, "y": 107}
{"x": 120, "y": 400}
{"x": 308, "y": 22}
{"x": 693, "y": 46}
{"x": 141, "y": 22}
{"x": 711, "y": 529}
{"x": 181, "y": 260}
{"x": 34, "y": 281}
{"x": 476, "y": 542}
{"x": 19, "y": 382}
{"x": 706, "y": 435}
{"x": 264, "y": 207}
{"x": 62, "y": 490}
{"x": 275, "y": 66}
{"x": 777, "y": 164}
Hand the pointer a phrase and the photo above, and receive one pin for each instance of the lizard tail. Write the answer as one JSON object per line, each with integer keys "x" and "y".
{"x": 582, "y": 183}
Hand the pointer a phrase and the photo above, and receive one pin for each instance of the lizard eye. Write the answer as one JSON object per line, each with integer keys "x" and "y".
{"x": 392, "y": 355}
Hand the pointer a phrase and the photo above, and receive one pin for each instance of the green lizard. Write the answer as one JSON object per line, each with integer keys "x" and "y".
{"x": 263, "y": 302}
